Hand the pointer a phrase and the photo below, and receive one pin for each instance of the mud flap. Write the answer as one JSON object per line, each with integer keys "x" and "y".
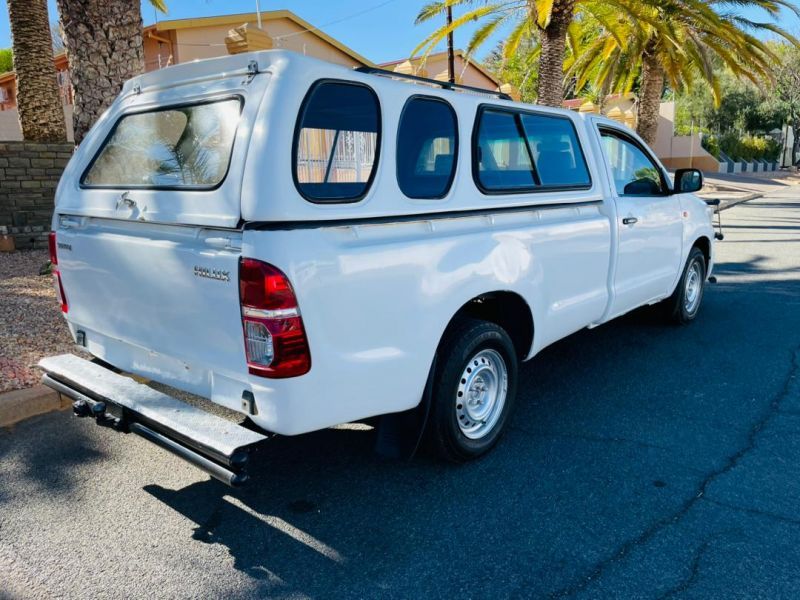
{"x": 400, "y": 434}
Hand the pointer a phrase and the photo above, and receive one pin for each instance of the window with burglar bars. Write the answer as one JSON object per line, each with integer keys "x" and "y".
{"x": 328, "y": 156}
{"x": 338, "y": 136}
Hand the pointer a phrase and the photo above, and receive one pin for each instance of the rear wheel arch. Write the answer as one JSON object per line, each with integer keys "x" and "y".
{"x": 507, "y": 309}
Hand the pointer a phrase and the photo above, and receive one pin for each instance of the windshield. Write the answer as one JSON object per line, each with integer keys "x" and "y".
{"x": 178, "y": 147}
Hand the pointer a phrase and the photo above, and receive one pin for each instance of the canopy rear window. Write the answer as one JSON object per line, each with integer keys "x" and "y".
{"x": 186, "y": 147}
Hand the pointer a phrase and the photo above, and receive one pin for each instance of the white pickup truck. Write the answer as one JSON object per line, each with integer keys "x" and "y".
{"x": 310, "y": 245}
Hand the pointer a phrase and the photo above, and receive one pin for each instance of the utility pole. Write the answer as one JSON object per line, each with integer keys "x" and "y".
{"x": 451, "y": 59}
{"x": 258, "y": 13}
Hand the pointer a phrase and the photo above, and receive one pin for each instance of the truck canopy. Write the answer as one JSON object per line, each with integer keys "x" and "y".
{"x": 171, "y": 148}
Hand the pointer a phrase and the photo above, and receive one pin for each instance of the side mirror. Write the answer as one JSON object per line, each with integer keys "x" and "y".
{"x": 688, "y": 181}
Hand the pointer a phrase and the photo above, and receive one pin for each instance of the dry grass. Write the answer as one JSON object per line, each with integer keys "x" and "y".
{"x": 31, "y": 325}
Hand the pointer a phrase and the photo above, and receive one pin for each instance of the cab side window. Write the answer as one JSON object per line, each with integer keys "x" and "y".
{"x": 519, "y": 151}
{"x": 634, "y": 173}
{"x": 503, "y": 160}
{"x": 556, "y": 151}
{"x": 336, "y": 142}
{"x": 427, "y": 146}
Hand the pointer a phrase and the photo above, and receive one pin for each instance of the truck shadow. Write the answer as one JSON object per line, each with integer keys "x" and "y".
{"x": 32, "y": 467}
{"x": 633, "y": 413}
{"x": 757, "y": 265}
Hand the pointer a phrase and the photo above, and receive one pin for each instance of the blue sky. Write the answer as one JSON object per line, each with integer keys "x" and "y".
{"x": 381, "y": 30}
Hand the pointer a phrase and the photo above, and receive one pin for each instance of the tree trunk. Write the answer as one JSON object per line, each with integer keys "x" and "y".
{"x": 41, "y": 115}
{"x": 650, "y": 92}
{"x": 104, "y": 47}
{"x": 551, "y": 58}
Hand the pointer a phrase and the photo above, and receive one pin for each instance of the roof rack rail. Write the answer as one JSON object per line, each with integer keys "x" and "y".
{"x": 442, "y": 84}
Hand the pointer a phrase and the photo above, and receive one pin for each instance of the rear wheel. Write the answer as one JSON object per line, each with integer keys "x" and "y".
{"x": 684, "y": 304}
{"x": 474, "y": 391}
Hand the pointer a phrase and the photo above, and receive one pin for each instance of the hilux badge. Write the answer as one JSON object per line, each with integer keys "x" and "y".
{"x": 212, "y": 273}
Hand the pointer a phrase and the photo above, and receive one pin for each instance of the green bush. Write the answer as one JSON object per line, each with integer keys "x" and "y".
{"x": 729, "y": 144}
{"x": 748, "y": 147}
{"x": 711, "y": 145}
{"x": 774, "y": 148}
{"x": 6, "y": 60}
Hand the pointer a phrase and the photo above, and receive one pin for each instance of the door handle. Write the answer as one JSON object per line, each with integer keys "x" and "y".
{"x": 630, "y": 221}
{"x": 125, "y": 200}
{"x": 68, "y": 222}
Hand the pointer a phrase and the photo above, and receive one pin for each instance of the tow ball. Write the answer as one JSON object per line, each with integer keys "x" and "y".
{"x": 83, "y": 408}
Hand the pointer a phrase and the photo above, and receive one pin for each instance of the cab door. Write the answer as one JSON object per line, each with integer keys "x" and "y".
{"x": 649, "y": 222}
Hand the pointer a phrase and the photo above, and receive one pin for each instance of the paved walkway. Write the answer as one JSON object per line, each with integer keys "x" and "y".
{"x": 759, "y": 182}
{"x": 736, "y": 188}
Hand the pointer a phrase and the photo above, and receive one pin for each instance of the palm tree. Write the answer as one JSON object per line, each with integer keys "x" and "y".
{"x": 519, "y": 70}
{"x": 548, "y": 21}
{"x": 673, "y": 41}
{"x": 552, "y": 20}
{"x": 41, "y": 115}
{"x": 104, "y": 47}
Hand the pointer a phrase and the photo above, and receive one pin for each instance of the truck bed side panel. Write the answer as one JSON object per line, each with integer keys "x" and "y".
{"x": 376, "y": 299}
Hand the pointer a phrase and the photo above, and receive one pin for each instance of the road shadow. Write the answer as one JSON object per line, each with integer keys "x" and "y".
{"x": 757, "y": 265}
{"x": 32, "y": 467}
{"x": 613, "y": 430}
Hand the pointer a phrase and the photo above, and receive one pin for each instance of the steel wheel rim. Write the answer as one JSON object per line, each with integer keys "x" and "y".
{"x": 693, "y": 287}
{"x": 481, "y": 394}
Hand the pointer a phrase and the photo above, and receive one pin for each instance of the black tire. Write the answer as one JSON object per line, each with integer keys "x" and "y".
{"x": 463, "y": 342}
{"x": 676, "y": 305}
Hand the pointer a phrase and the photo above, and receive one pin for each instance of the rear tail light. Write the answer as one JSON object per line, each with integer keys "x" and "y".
{"x": 51, "y": 242}
{"x": 274, "y": 337}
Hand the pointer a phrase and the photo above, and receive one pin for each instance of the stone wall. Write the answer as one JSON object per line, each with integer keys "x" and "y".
{"x": 29, "y": 174}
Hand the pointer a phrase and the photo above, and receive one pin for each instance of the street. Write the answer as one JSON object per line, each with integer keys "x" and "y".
{"x": 644, "y": 461}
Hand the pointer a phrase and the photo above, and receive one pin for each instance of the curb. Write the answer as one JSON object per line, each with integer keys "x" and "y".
{"x": 18, "y": 405}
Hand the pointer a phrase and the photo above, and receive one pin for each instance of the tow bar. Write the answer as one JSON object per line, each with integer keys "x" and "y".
{"x": 215, "y": 445}
{"x": 718, "y": 235}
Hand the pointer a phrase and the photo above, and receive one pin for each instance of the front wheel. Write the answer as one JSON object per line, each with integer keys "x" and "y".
{"x": 684, "y": 304}
{"x": 474, "y": 391}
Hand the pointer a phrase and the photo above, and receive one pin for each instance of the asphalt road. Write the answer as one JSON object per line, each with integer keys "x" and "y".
{"x": 645, "y": 461}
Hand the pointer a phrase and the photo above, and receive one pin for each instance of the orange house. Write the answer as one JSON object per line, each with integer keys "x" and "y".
{"x": 435, "y": 66}
{"x": 8, "y": 84}
{"x": 182, "y": 40}
{"x": 171, "y": 42}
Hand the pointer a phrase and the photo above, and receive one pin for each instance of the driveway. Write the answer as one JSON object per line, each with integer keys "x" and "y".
{"x": 644, "y": 461}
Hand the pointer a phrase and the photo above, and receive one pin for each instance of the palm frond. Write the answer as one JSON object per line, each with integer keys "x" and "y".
{"x": 159, "y": 5}
{"x": 429, "y": 43}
